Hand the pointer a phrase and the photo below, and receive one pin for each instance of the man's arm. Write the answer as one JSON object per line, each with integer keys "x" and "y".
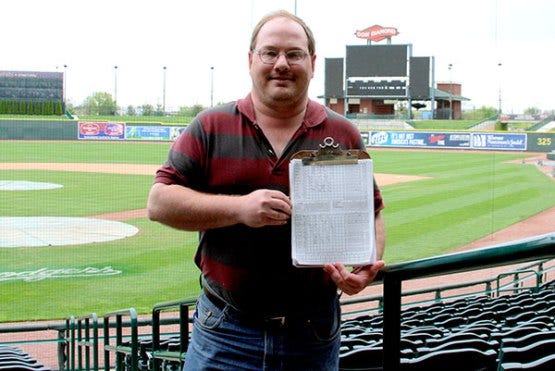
{"x": 379, "y": 226}
{"x": 184, "y": 208}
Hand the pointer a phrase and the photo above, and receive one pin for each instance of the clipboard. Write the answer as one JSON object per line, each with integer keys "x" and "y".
{"x": 333, "y": 207}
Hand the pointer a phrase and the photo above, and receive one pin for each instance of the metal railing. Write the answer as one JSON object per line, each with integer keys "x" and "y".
{"x": 159, "y": 354}
{"x": 122, "y": 349}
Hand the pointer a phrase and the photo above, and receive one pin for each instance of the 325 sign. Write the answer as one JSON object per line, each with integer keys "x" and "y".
{"x": 541, "y": 142}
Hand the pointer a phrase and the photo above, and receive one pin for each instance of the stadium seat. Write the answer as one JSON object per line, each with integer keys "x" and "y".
{"x": 529, "y": 353}
{"x": 455, "y": 336}
{"x": 478, "y": 344}
{"x": 543, "y": 364}
{"x": 486, "y": 314}
{"x": 367, "y": 358}
{"x": 526, "y": 340}
{"x": 370, "y": 335}
{"x": 453, "y": 360}
{"x": 15, "y": 359}
{"x": 524, "y": 316}
{"x": 514, "y": 332}
{"x": 451, "y": 322}
{"x": 353, "y": 343}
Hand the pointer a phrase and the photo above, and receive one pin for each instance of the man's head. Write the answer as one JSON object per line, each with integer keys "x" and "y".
{"x": 281, "y": 60}
{"x": 311, "y": 42}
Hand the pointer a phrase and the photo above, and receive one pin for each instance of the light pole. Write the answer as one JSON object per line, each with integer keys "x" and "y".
{"x": 499, "y": 110}
{"x": 64, "y": 95}
{"x": 116, "y": 89}
{"x": 450, "y": 92}
{"x": 164, "y": 91}
{"x": 212, "y": 86}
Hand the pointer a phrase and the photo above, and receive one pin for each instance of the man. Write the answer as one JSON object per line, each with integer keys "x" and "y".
{"x": 227, "y": 177}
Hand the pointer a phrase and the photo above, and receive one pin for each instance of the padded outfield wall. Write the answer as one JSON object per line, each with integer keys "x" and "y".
{"x": 103, "y": 130}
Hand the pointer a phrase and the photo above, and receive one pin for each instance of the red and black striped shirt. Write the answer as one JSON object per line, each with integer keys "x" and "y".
{"x": 223, "y": 151}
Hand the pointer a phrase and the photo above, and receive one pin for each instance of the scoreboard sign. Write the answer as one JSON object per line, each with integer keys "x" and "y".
{"x": 31, "y": 86}
{"x": 377, "y": 88}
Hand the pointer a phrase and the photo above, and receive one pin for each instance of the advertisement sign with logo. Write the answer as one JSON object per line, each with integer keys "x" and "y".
{"x": 418, "y": 139}
{"x": 377, "y": 33}
{"x": 482, "y": 141}
{"x": 101, "y": 130}
{"x": 496, "y": 141}
{"x": 162, "y": 133}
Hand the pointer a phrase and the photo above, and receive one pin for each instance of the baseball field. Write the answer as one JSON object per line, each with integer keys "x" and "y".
{"x": 436, "y": 202}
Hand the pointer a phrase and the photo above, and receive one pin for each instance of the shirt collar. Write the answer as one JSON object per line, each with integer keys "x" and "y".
{"x": 315, "y": 112}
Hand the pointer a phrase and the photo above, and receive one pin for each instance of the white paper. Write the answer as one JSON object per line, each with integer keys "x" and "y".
{"x": 333, "y": 213}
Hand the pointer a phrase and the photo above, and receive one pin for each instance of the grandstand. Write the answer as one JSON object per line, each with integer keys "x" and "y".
{"x": 505, "y": 322}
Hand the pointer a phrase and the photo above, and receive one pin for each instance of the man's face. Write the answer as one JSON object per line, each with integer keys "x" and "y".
{"x": 282, "y": 81}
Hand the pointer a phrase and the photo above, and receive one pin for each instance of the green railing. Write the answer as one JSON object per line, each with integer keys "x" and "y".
{"x": 121, "y": 348}
{"x": 159, "y": 354}
{"x": 542, "y": 247}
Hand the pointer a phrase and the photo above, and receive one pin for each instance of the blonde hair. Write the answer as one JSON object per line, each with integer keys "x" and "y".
{"x": 285, "y": 14}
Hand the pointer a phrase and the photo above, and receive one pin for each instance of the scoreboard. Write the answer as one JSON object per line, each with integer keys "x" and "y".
{"x": 31, "y": 86}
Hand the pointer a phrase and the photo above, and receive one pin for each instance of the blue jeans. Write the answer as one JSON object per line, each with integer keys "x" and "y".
{"x": 221, "y": 341}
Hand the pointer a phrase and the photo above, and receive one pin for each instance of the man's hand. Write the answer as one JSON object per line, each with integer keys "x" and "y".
{"x": 353, "y": 282}
{"x": 265, "y": 207}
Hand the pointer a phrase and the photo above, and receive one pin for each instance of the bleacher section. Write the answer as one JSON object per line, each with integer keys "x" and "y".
{"x": 479, "y": 333}
{"x": 472, "y": 333}
{"x": 15, "y": 359}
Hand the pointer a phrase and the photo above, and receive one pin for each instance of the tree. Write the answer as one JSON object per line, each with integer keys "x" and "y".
{"x": 131, "y": 111}
{"x": 99, "y": 104}
{"x": 532, "y": 111}
{"x": 480, "y": 113}
{"x": 147, "y": 110}
{"x": 190, "y": 111}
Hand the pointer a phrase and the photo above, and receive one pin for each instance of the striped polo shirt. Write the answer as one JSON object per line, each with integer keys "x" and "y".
{"x": 224, "y": 151}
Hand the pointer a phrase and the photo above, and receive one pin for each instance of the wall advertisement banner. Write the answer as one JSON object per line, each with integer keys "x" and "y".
{"x": 458, "y": 140}
{"x": 92, "y": 130}
{"x": 510, "y": 142}
{"x": 101, "y": 130}
{"x": 418, "y": 139}
{"x": 161, "y": 133}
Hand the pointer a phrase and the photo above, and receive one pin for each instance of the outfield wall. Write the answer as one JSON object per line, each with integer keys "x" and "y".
{"x": 104, "y": 130}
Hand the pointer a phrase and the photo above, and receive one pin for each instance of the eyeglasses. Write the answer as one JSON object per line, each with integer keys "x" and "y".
{"x": 269, "y": 56}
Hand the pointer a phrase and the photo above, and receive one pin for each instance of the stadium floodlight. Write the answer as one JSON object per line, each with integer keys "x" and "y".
{"x": 164, "y": 91}
{"x": 211, "y": 86}
{"x": 64, "y": 94}
{"x": 116, "y": 89}
{"x": 450, "y": 92}
{"x": 499, "y": 110}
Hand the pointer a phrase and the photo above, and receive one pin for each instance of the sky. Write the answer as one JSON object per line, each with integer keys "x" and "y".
{"x": 500, "y": 50}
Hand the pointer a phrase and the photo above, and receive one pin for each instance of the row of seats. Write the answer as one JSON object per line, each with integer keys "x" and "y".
{"x": 14, "y": 359}
{"x": 480, "y": 333}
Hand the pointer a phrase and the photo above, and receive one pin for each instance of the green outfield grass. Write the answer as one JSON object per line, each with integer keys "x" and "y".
{"x": 468, "y": 196}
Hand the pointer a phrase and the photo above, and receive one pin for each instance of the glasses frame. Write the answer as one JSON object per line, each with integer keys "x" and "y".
{"x": 274, "y": 59}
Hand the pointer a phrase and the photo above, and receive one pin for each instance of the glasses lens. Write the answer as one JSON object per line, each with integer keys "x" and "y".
{"x": 295, "y": 56}
{"x": 271, "y": 56}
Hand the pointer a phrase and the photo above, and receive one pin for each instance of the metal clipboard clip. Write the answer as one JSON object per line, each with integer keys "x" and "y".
{"x": 330, "y": 154}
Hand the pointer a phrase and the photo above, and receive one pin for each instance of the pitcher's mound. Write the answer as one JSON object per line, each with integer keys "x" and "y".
{"x": 23, "y": 185}
{"x": 57, "y": 231}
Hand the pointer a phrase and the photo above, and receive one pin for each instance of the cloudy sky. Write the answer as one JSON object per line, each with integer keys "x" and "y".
{"x": 497, "y": 47}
